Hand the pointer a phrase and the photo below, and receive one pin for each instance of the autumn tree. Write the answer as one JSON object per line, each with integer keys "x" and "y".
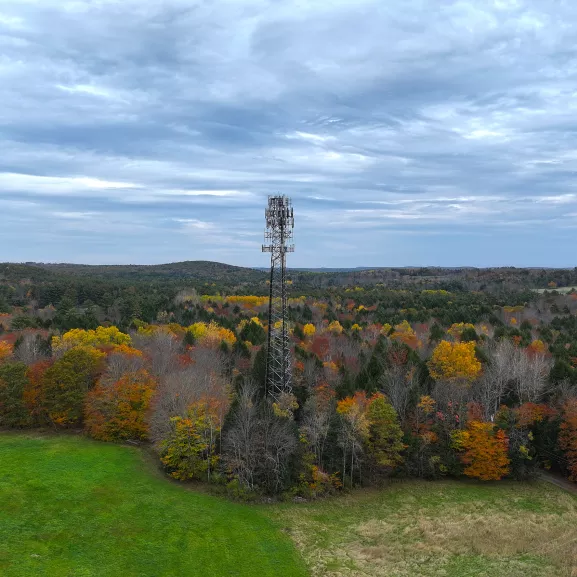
{"x": 493, "y": 385}
{"x": 384, "y": 443}
{"x": 353, "y": 433}
{"x": 13, "y": 381}
{"x": 400, "y": 383}
{"x": 118, "y": 410}
{"x": 202, "y": 379}
{"x": 162, "y": 347}
{"x": 454, "y": 362}
{"x": 190, "y": 449}
{"x": 6, "y": 350}
{"x": 404, "y": 333}
{"x": 485, "y": 451}
{"x": 309, "y": 330}
{"x": 33, "y": 391}
{"x": 318, "y": 410}
{"x": 519, "y": 425}
{"x": 456, "y": 330}
{"x": 568, "y": 436}
{"x": 66, "y": 383}
{"x": 211, "y": 334}
{"x": 423, "y": 459}
{"x": 335, "y": 327}
{"x": 241, "y": 447}
{"x": 530, "y": 372}
{"x": 31, "y": 349}
{"x": 101, "y": 336}
{"x": 258, "y": 443}
{"x": 253, "y": 332}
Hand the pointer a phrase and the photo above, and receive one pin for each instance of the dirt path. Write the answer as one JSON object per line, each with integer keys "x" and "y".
{"x": 559, "y": 481}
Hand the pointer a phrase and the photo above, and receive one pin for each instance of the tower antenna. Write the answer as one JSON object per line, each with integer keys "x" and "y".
{"x": 279, "y": 232}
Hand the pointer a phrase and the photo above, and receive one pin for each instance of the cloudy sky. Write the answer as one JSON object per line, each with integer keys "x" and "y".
{"x": 407, "y": 132}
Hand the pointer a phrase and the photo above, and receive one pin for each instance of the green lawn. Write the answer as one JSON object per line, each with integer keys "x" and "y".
{"x": 71, "y": 507}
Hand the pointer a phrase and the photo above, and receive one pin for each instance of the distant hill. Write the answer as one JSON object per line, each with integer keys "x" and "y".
{"x": 200, "y": 271}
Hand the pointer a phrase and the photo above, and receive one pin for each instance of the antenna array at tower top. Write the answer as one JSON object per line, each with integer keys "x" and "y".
{"x": 279, "y": 217}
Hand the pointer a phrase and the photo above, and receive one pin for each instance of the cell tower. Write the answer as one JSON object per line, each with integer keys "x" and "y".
{"x": 279, "y": 232}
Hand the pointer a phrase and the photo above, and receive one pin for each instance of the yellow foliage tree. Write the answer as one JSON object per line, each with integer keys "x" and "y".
{"x": 454, "y": 361}
{"x": 456, "y": 329}
{"x": 309, "y": 330}
{"x": 149, "y": 330}
{"x": 404, "y": 333}
{"x": 248, "y": 301}
{"x": 198, "y": 330}
{"x": 356, "y": 327}
{"x": 211, "y": 334}
{"x": 386, "y": 329}
{"x": 102, "y": 336}
{"x": 335, "y": 327}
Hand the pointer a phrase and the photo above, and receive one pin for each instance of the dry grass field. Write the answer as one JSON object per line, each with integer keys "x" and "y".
{"x": 449, "y": 529}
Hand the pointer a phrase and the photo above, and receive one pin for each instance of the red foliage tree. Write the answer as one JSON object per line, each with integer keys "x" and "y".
{"x": 32, "y": 395}
{"x": 320, "y": 346}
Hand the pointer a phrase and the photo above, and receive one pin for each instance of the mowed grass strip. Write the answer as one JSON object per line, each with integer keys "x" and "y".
{"x": 439, "y": 529}
{"x": 71, "y": 507}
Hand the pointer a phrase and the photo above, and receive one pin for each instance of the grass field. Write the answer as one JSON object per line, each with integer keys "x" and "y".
{"x": 560, "y": 290}
{"x": 70, "y": 507}
{"x": 448, "y": 528}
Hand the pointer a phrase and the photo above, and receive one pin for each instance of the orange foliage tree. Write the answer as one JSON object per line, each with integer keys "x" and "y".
{"x": 537, "y": 347}
{"x": 6, "y": 350}
{"x": 530, "y": 413}
{"x": 568, "y": 436}
{"x": 116, "y": 411}
{"x": 485, "y": 451}
{"x": 454, "y": 362}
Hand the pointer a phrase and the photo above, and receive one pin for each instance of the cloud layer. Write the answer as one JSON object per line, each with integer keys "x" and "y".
{"x": 407, "y": 133}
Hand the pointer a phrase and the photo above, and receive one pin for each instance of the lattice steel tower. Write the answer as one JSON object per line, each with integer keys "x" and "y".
{"x": 279, "y": 232}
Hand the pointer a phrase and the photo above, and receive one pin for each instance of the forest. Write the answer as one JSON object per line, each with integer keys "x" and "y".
{"x": 424, "y": 373}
